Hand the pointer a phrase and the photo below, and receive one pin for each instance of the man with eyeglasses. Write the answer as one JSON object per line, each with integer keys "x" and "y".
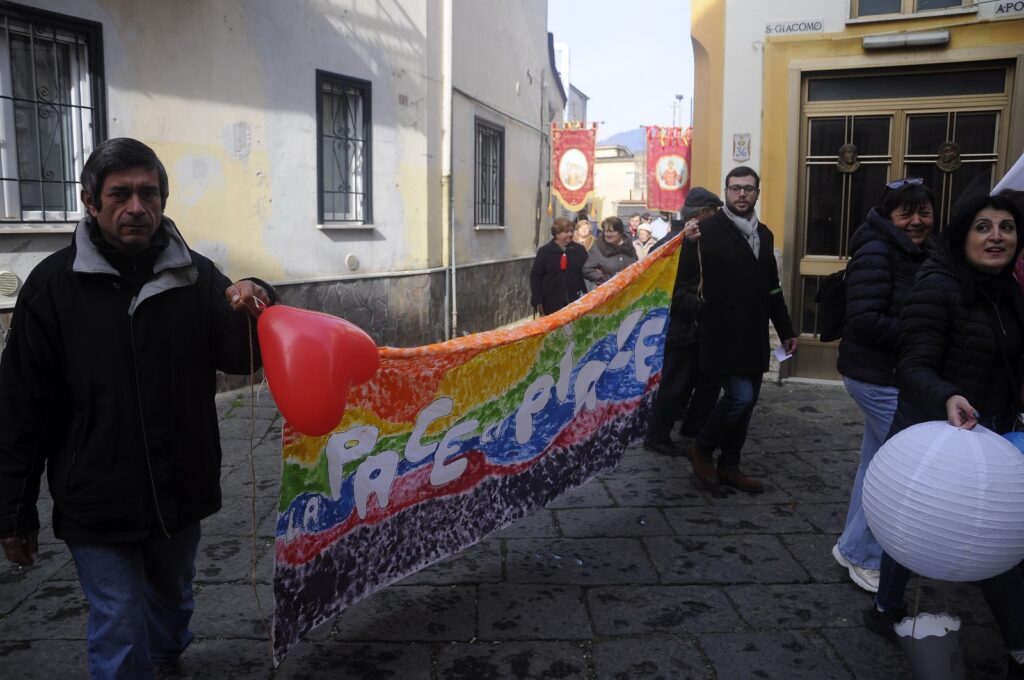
{"x": 733, "y": 268}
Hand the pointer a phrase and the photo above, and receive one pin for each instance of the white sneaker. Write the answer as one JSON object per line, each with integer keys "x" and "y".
{"x": 862, "y": 576}
{"x": 865, "y": 578}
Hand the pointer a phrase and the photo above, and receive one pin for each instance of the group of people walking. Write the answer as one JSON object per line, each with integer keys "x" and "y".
{"x": 726, "y": 291}
{"x": 934, "y": 330}
{"x": 575, "y": 260}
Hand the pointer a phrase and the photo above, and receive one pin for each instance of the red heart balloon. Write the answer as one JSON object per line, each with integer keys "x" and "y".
{"x": 311, "y": 360}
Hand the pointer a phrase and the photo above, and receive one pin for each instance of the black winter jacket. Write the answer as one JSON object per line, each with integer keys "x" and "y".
{"x": 952, "y": 342}
{"x": 879, "y": 277}
{"x": 550, "y": 286}
{"x": 111, "y": 387}
{"x": 741, "y": 294}
{"x": 685, "y": 309}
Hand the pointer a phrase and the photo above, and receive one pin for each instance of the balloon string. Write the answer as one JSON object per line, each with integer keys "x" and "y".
{"x": 252, "y": 474}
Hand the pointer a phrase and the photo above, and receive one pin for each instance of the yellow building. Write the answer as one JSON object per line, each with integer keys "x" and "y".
{"x": 925, "y": 88}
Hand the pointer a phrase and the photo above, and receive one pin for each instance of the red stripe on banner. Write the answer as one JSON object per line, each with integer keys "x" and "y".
{"x": 408, "y": 490}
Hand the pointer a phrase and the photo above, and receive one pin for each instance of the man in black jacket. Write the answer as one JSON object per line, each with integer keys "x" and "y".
{"x": 680, "y": 366}
{"x": 108, "y": 380}
{"x": 735, "y": 273}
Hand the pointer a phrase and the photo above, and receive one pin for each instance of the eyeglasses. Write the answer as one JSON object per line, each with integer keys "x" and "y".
{"x": 900, "y": 183}
{"x": 742, "y": 189}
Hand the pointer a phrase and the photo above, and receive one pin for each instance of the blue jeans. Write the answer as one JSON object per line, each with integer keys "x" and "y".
{"x": 878, "y": 403}
{"x": 1003, "y": 593}
{"x": 140, "y": 601}
{"x": 726, "y": 427}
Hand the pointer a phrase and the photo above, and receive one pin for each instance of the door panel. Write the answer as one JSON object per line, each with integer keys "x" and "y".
{"x": 955, "y": 149}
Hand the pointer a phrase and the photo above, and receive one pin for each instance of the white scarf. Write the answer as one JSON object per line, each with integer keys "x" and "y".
{"x": 747, "y": 227}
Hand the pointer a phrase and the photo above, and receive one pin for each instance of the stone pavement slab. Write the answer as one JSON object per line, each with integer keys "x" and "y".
{"x": 637, "y": 575}
{"x": 644, "y": 610}
{"x": 650, "y": 659}
{"x": 529, "y": 612}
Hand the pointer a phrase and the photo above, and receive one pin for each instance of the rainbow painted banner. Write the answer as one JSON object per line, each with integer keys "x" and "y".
{"x": 453, "y": 441}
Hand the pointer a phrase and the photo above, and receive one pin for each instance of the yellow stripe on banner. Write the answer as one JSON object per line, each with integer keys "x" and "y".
{"x": 487, "y": 376}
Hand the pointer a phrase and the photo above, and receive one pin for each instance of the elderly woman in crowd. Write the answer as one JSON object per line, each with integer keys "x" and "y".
{"x": 612, "y": 253}
{"x": 959, "y": 360}
{"x": 644, "y": 242}
{"x": 556, "y": 278}
{"x": 583, "y": 234}
{"x": 887, "y": 250}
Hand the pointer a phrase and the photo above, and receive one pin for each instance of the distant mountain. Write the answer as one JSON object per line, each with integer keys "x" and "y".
{"x": 631, "y": 139}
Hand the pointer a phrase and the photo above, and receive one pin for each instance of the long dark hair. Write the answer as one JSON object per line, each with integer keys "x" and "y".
{"x": 954, "y": 236}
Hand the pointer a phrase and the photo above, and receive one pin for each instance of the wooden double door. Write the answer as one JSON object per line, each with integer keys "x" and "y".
{"x": 864, "y": 130}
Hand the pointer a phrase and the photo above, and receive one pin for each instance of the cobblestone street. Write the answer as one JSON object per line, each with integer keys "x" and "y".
{"x": 636, "y": 575}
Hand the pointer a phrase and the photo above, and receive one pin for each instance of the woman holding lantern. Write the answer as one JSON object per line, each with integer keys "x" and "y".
{"x": 958, "y": 359}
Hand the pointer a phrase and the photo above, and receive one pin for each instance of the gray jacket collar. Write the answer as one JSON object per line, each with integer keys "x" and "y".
{"x": 173, "y": 267}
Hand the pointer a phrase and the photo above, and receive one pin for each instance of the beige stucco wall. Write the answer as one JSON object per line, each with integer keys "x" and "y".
{"x": 224, "y": 91}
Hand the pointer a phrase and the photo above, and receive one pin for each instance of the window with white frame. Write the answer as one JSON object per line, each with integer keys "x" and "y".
{"x": 49, "y": 113}
{"x": 869, "y": 8}
{"x": 343, "y": 127}
{"x": 489, "y": 185}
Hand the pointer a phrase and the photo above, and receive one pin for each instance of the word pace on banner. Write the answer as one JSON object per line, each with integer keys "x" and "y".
{"x": 450, "y": 442}
{"x": 668, "y": 167}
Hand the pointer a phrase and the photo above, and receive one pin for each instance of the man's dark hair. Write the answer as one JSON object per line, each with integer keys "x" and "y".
{"x": 743, "y": 171}
{"x": 114, "y": 155}
{"x": 689, "y": 212}
{"x": 909, "y": 197}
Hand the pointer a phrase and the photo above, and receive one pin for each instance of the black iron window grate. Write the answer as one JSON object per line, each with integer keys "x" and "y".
{"x": 489, "y": 195}
{"x": 344, "y": 123}
{"x": 47, "y": 111}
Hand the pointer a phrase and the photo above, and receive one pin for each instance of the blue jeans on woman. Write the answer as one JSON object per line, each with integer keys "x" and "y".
{"x": 878, "y": 402}
{"x": 140, "y": 601}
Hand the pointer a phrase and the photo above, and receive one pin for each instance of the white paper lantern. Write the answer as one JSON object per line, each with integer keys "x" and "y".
{"x": 948, "y": 503}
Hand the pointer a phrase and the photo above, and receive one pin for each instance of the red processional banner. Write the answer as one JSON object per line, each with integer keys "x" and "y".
{"x": 668, "y": 167}
{"x": 572, "y": 163}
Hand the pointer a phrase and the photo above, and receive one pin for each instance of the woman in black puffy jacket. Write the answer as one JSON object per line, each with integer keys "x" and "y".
{"x": 887, "y": 250}
{"x": 958, "y": 359}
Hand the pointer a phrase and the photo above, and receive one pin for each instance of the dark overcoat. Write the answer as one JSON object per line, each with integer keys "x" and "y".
{"x": 550, "y": 285}
{"x": 741, "y": 294}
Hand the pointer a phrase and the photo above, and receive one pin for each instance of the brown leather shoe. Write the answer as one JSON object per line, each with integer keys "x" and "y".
{"x": 730, "y": 475}
{"x": 703, "y": 464}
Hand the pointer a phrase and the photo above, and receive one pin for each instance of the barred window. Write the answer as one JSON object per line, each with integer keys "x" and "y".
{"x": 489, "y": 193}
{"x": 867, "y": 8}
{"x": 49, "y": 113}
{"x": 343, "y": 127}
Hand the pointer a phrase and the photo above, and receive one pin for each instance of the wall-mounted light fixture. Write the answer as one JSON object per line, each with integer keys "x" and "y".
{"x": 888, "y": 41}
{"x": 9, "y": 283}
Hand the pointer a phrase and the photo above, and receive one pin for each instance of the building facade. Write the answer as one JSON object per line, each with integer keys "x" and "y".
{"x": 620, "y": 181}
{"x": 380, "y": 161}
{"x": 831, "y": 100}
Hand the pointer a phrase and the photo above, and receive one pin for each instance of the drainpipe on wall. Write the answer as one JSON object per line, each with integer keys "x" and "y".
{"x": 452, "y": 316}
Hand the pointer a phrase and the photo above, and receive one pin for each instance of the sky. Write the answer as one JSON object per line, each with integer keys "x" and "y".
{"x": 630, "y": 57}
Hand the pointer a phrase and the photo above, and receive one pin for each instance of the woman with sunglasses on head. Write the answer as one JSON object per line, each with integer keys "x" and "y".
{"x": 959, "y": 360}
{"x": 886, "y": 252}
